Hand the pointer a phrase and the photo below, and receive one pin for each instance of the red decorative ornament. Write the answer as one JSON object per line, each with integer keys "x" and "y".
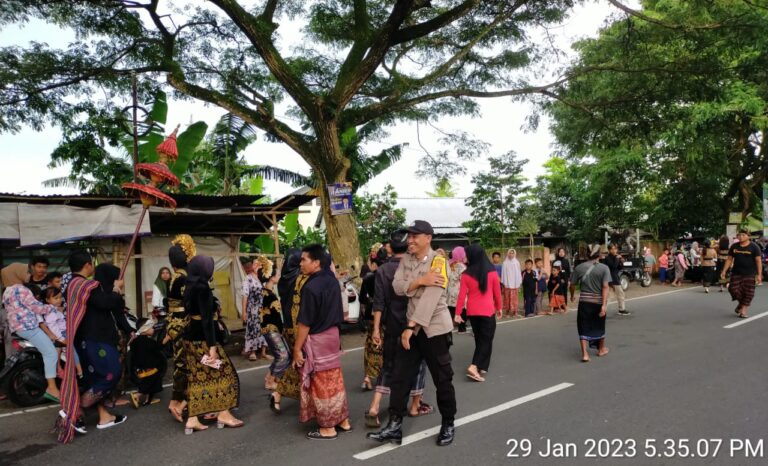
{"x": 157, "y": 173}
{"x": 168, "y": 147}
{"x": 149, "y": 195}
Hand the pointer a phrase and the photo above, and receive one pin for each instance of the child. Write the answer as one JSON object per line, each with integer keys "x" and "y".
{"x": 557, "y": 291}
{"x": 541, "y": 291}
{"x": 530, "y": 288}
{"x": 55, "y": 324}
{"x": 147, "y": 366}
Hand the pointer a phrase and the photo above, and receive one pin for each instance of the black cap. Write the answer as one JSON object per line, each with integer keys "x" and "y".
{"x": 420, "y": 227}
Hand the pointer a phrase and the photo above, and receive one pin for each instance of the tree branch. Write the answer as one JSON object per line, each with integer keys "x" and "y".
{"x": 359, "y": 68}
{"x": 371, "y": 112}
{"x": 259, "y": 34}
{"x": 664, "y": 24}
{"x": 261, "y": 118}
{"x": 432, "y": 25}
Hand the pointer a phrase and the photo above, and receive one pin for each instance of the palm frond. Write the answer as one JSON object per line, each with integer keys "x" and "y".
{"x": 231, "y": 135}
{"x": 278, "y": 174}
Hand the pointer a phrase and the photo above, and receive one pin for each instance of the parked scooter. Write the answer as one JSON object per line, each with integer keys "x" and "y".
{"x": 23, "y": 377}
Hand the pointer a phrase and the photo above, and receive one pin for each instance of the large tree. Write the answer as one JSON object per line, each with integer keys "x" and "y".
{"x": 670, "y": 119}
{"x": 494, "y": 200}
{"x": 360, "y": 66}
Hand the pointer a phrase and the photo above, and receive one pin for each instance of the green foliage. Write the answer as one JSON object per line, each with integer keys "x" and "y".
{"x": 443, "y": 188}
{"x": 360, "y": 67}
{"x": 663, "y": 126}
{"x": 494, "y": 199}
{"x": 377, "y": 217}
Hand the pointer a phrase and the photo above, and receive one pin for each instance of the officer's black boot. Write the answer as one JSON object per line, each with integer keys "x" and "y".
{"x": 447, "y": 432}
{"x": 392, "y": 432}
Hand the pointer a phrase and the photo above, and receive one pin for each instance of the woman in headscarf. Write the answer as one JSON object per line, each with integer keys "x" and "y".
{"x": 213, "y": 385}
{"x": 457, "y": 266}
{"x": 289, "y": 287}
{"x": 24, "y": 313}
{"x": 161, "y": 287}
{"x": 97, "y": 339}
{"x": 480, "y": 288}
{"x": 511, "y": 279}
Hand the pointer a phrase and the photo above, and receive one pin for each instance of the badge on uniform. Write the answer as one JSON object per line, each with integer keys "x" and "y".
{"x": 439, "y": 266}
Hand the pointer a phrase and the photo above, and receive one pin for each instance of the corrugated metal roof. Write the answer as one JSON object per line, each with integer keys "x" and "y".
{"x": 445, "y": 214}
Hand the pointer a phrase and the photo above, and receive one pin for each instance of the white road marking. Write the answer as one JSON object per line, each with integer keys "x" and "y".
{"x": 413, "y": 438}
{"x": 747, "y": 320}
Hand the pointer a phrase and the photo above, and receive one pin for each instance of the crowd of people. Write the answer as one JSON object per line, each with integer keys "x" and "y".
{"x": 413, "y": 298}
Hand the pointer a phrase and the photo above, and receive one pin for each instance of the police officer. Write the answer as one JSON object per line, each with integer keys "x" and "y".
{"x": 422, "y": 277}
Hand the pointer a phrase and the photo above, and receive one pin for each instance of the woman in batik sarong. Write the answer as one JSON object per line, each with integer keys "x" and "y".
{"x": 272, "y": 324}
{"x": 213, "y": 385}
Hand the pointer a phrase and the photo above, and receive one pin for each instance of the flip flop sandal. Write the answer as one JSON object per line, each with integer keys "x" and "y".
{"x": 50, "y": 397}
{"x": 119, "y": 419}
{"x": 346, "y": 431}
{"x": 743, "y": 316}
{"x": 372, "y": 420}
{"x": 474, "y": 377}
{"x": 316, "y": 435}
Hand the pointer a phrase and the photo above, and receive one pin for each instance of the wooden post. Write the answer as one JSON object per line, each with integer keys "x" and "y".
{"x": 275, "y": 235}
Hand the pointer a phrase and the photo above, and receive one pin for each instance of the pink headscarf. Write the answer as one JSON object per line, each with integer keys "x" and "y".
{"x": 458, "y": 255}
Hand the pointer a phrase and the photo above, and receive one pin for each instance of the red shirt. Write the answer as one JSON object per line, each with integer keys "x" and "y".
{"x": 480, "y": 304}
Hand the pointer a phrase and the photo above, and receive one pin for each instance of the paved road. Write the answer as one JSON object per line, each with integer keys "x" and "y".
{"x": 674, "y": 374}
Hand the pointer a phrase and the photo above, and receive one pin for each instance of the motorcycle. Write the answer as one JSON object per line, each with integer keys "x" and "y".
{"x": 23, "y": 376}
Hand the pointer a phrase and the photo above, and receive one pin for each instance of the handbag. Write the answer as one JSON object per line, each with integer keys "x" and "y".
{"x": 223, "y": 335}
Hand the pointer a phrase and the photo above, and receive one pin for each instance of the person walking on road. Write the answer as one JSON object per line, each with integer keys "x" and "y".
{"x": 723, "y": 245}
{"x": 422, "y": 276}
{"x": 213, "y": 385}
{"x": 708, "y": 264}
{"x": 457, "y": 266}
{"x": 745, "y": 263}
{"x": 480, "y": 284}
{"x": 255, "y": 345}
{"x": 615, "y": 263}
{"x": 317, "y": 350}
{"x": 595, "y": 279}
{"x": 389, "y": 322}
{"x": 511, "y": 280}
{"x": 681, "y": 265}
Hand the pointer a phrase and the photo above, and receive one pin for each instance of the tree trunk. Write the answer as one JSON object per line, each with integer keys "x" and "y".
{"x": 342, "y": 235}
{"x": 332, "y": 167}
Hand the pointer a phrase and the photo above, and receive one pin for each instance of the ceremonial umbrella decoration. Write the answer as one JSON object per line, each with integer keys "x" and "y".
{"x": 157, "y": 175}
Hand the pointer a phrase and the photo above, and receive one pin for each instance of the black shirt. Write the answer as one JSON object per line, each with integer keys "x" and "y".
{"x": 104, "y": 315}
{"x": 565, "y": 267}
{"x": 744, "y": 259}
{"x": 42, "y": 284}
{"x": 614, "y": 263}
{"x": 367, "y": 294}
{"x": 393, "y": 307}
{"x": 554, "y": 281}
{"x": 320, "y": 307}
{"x": 529, "y": 283}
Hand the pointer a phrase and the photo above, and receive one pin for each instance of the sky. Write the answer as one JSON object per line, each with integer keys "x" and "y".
{"x": 501, "y": 123}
